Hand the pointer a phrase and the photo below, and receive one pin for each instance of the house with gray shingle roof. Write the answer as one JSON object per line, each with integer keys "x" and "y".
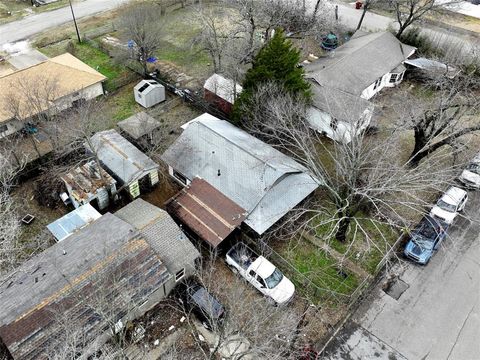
{"x": 94, "y": 281}
{"x": 344, "y": 81}
{"x": 164, "y": 236}
{"x": 261, "y": 180}
{"x": 107, "y": 265}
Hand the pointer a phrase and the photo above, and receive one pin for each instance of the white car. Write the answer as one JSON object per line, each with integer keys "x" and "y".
{"x": 450, "y": 204}
{"x": 471, "y": 175}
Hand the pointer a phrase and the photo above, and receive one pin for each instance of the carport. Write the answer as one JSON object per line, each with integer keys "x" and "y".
{"x": 206, "y": 211}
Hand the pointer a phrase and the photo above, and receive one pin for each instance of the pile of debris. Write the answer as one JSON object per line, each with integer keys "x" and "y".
{"x": 169, "y": 71}
{"x": 172, "y": 73}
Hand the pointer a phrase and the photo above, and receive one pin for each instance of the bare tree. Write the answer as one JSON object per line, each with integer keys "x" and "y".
{"x": 441, "y": 113}
{"x": 142, "y": 25}
{"x": 217, "y": 33}
{"x": 362, "y": 179}
{"x": 33, "y": 102}
{"x": 10, "y": 230}
{"x": 408, "y": 12}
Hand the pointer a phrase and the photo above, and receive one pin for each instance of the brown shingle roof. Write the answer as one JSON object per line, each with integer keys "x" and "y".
{"x": 66, "y": 72}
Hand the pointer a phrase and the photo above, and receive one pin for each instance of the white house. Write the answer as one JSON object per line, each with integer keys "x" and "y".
{"x": 62, "y": 82}
{"x": 338, "y": 114}
{"x": 344, "y": 80}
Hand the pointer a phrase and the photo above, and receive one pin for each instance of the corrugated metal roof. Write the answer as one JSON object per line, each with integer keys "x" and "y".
{"x": 223, "y": 87}
{"x": 206, "y": 211}
{"x": 73, "y": 221}
{"x": 240, "y": 166}
{"x": 123, "y": 159}
{"x": 139, "y": 124}
{"x": 356, "y": 64}
{"x": 161, "y": 232}
{"x": 86, "y": 179}
{"x": 107, "y": 261}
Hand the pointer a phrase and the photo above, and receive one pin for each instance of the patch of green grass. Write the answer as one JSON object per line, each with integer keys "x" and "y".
{"x": 122, "y": 104}
{"x": 100, "y": 61}
{"x": 93, "y": 57}
{"x": 367, "y": 240}
{"x": 319, "y": 268}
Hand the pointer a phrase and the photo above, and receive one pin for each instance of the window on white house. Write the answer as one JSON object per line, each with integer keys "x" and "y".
{"x": 334, "y": 124}
{"x": 180, "y": 177}
{"x": 377, "y": 84}
{"x": 394, "y": 78}
{"x": 179, "y": 274}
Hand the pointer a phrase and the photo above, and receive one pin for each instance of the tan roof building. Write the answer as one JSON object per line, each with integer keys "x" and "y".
{"x": 60, "y": 77}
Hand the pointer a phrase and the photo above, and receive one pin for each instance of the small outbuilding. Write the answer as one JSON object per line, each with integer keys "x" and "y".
{"x": 130, "y": 167}
{"x": 89, "y": 183}
{"x": 149, "y": 93}
{"x": 141, "y": 129}
{"x": 221, "y": 92}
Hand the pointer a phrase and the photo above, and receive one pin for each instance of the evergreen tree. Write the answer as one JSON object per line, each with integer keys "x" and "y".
{"x": 276, "y": 62}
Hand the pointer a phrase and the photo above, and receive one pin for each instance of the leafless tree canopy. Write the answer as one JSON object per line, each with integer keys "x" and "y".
{"x": 442, "y": 109}
{"x": 362, "y": 179}
{"x": 10, "y": 230}
{"x": 142, "y": 24}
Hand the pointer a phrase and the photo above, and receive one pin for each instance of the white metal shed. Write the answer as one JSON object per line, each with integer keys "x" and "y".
{"x": 149, "y": 93}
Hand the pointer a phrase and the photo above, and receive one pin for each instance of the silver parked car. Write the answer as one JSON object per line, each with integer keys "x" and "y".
{"x": 470, "y": 177}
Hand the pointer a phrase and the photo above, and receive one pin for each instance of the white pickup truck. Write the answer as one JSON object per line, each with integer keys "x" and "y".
{"x": 261, "y": 273}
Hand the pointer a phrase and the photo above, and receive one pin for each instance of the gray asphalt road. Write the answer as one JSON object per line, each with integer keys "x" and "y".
{"x": 468, "y": 44}
{"x": 34, "y": 24}
{"x": 437, "y": 317}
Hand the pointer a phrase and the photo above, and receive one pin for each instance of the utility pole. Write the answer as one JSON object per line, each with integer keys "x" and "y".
{"x": 75, "y": 22}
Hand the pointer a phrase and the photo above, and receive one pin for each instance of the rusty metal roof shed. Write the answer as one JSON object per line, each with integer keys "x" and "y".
{"x": 86, "y": 179}
{"x": 206, "y": 211}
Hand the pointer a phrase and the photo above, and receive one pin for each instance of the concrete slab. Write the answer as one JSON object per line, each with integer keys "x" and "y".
{"x": 27, "y": 59}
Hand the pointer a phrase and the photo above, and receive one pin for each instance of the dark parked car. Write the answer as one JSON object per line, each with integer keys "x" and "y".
{"x": 204, "y": 305}
{"x": 425, "y": 239}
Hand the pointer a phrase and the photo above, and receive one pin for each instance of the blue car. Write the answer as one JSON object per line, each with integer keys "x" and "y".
{"x": 425, "y": 239}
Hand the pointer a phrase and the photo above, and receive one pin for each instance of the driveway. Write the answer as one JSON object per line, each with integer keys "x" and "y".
{"x": 34, "y": 24}
{"x": 437, "y": 314}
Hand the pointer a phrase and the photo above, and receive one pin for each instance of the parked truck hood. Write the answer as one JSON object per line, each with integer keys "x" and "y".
{"x": 283, "y": 292}
{"x": 420, "y": 254}
{"x": 444, "y": 215}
